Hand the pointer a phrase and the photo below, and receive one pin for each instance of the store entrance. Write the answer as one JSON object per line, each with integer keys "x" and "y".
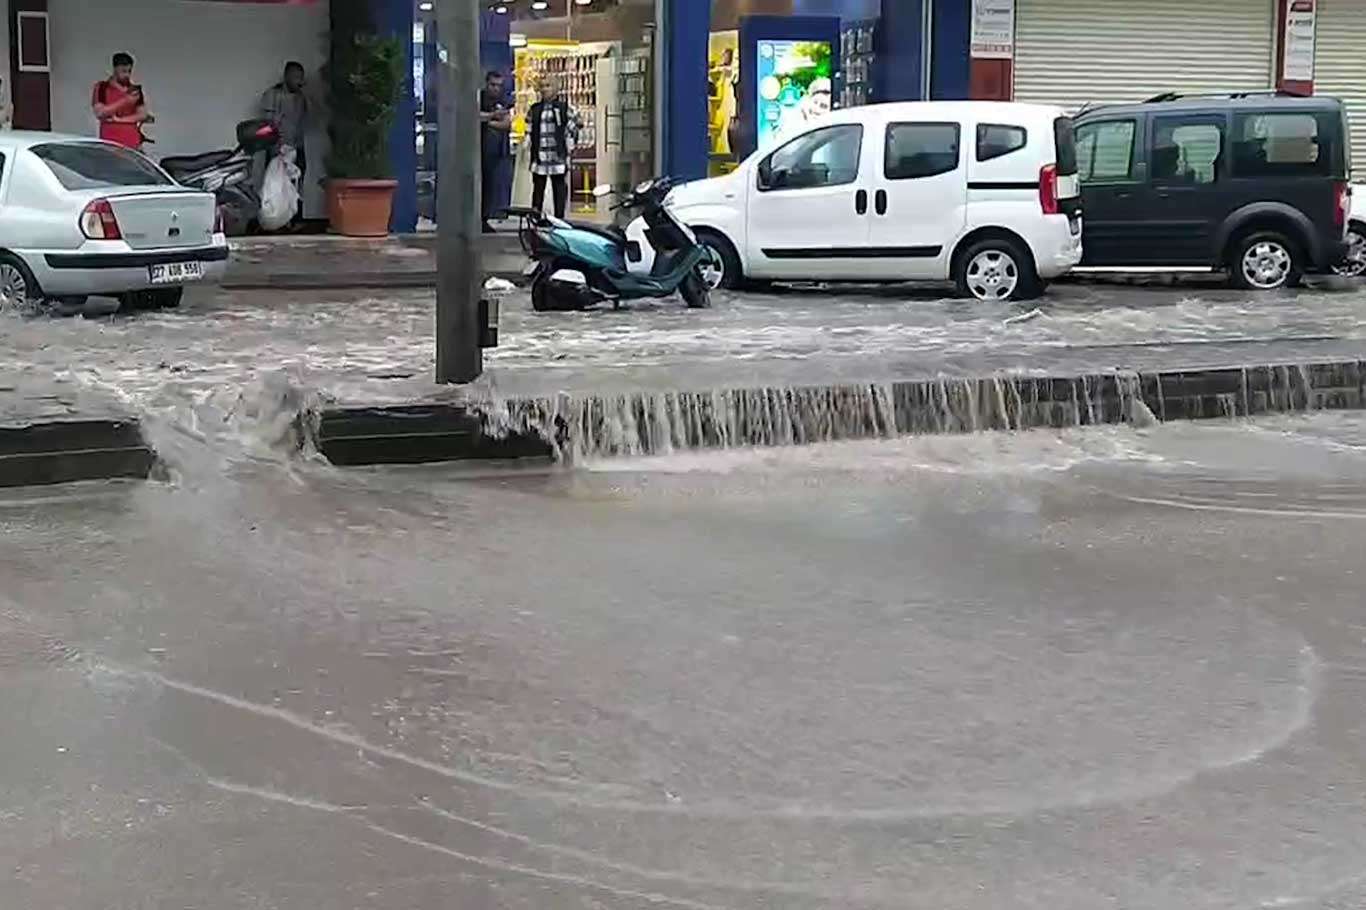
{"x": 600, "y": 55}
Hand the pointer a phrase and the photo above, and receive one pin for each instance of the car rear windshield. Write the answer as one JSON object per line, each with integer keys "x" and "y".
{"x": 1066, "y": 140}
{"x": 93, "y": 166}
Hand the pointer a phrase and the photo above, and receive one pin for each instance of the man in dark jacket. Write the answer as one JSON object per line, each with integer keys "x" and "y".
{"x": 553, "y": 127}
{"x": 495, "y": 122}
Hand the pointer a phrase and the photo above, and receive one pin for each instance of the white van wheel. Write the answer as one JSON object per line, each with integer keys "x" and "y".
{"x": 995, "y": 270}
{"x": 721, "y": 268}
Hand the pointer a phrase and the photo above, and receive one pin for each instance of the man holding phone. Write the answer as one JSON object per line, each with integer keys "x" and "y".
{"x": 120, "y": 106}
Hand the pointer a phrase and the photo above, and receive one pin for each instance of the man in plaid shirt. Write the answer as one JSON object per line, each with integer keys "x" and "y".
{"x": 554, "y": 129}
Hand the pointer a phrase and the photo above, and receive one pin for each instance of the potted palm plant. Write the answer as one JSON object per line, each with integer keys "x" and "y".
{"x": 365, "y": 78}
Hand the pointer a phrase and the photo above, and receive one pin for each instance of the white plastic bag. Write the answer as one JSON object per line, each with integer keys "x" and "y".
{"x": 280, "y": 191}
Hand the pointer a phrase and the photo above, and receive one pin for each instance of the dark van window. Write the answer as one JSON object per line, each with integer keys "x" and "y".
{"x": 93, "y": 166}
{"x": 1105, "y": 151}
{"x": 824, "y": 157}
{"x": 1282, "y": 145}
{"x": 1187, "y": 150}
{"x": 917, "y": 150}
{"x": 994, "y": 140}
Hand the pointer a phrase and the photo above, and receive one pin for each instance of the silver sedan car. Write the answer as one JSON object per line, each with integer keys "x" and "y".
{"x": 80, "y": 217}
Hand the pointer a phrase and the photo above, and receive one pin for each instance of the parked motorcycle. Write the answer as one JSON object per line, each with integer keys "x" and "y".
{"x": 227, "y": 174}
{"x": 579, "y": 266}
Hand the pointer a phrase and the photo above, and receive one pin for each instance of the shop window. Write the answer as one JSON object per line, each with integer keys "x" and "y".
{"x": 824, "y": 157}
{"x": 916, "y": 150}
{"x": 996, "y": 141}
{"x": 1187, "y": 151}
{"x": 1105, "y": 151}
{"x": 1280, "y": 145}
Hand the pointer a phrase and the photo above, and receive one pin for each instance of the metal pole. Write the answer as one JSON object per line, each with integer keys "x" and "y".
{"x": 459, "y": 357}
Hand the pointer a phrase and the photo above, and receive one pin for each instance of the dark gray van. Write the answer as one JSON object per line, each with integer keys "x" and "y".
{"x": 1256, "y": 184}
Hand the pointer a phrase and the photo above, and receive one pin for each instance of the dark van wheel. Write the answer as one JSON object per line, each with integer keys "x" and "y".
{"x": 1354, "y": 264}
{"x": 19, "y": 292}
{"x": 997, "y": 269}
{"x": 721, "y": 268}
{"x": 695, "y": 292}
{"x": 1265, "y": 261}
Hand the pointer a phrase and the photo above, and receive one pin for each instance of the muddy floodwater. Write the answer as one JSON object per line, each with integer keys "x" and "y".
{"x": 1109, "y": 667}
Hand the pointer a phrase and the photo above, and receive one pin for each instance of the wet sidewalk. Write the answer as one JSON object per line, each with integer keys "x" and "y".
{"x": 327, "y": 262}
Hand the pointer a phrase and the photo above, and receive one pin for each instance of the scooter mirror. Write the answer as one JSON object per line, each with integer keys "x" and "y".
{"x": 602, "y": 190}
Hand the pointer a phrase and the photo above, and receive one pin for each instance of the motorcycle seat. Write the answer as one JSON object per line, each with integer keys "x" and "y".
{"x": 182, "y": 165}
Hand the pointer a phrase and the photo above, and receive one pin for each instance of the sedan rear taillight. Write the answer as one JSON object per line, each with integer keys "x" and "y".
{"x": 1048, "y": 189}
{"x": 1342, "y": 204}
{"x": 98, "y": 221}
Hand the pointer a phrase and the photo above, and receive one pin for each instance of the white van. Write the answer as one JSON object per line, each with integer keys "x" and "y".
{"x": 981, "y": 193}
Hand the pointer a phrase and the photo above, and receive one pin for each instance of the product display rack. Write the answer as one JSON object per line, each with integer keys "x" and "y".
{"x": 858, "y": 56}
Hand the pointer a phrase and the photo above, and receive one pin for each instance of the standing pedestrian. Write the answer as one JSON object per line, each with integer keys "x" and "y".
{"x": 119, "y": 105}
{"x": 495, "y": 125}
{"x": 285, "y": 105}
{"x": 554, "y": 128}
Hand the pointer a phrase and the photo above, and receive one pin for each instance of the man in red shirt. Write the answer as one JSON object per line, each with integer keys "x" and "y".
{"x": 119, "y": 106}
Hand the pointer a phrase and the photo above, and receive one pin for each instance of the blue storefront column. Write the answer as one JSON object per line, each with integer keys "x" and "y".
{"x": 900, "y": 67}
{"x": 685, "y": 31}
{"x": 395, "y": 17}
{"x": 950, "y": 65}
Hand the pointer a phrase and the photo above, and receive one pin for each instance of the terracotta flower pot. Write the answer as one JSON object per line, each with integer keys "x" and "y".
{"x": 360, "y": 208}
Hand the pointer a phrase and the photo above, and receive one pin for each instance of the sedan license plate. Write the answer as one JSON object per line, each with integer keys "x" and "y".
{"x": 175, "y": 272}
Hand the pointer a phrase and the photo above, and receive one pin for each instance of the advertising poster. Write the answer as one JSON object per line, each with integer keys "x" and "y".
{"x": 1299, "y": 42}
{"x": 993, "y": 29}
{"x": 794, "y": 85}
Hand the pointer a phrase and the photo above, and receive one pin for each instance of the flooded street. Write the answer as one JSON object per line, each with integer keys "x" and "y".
{"x": 360, "y": 348}
{"x": 1105, "y": 667}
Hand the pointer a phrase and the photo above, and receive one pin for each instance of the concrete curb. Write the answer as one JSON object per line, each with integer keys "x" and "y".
{"x": 646, "y": 423}
{"x": 61, "y": 451}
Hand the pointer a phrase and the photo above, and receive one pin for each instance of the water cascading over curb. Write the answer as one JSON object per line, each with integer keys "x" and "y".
{"x": 591, "y": 425}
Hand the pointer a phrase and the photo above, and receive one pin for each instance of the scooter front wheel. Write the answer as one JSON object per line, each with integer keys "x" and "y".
{"x": 694, "y": 292}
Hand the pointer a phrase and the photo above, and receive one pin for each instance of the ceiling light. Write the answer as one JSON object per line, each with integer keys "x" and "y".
{"x": 540, "y": 5}
{"x": 425, "y": 7}
{"x": 501, "y": 10}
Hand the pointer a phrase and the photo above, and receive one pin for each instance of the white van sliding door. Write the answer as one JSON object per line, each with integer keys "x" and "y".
{"x": 919, "y": 200}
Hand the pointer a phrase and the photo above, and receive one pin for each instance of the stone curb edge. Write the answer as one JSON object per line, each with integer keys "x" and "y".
{"x": 657, "y": 422}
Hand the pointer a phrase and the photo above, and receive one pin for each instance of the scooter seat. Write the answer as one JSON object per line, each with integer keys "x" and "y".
{"x": 610, "y": 232}
{"x": 184, "y": 165}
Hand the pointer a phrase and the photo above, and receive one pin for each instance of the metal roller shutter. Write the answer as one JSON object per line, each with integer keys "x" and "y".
{"x": 1340, "y": 66}
{"x": 1071, "y": 52}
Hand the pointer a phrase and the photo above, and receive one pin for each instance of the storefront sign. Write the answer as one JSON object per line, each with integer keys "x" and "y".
{"x": 993, "y": 29}
{"x": 1299, "y": 42}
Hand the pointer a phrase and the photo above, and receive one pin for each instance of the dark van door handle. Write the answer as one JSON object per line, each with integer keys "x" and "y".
{"x": 861, "y": 202}
{"x": 881, "y": 202}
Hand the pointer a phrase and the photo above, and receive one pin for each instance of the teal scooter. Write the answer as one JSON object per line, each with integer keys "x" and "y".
{"x": 580, "y": 266}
